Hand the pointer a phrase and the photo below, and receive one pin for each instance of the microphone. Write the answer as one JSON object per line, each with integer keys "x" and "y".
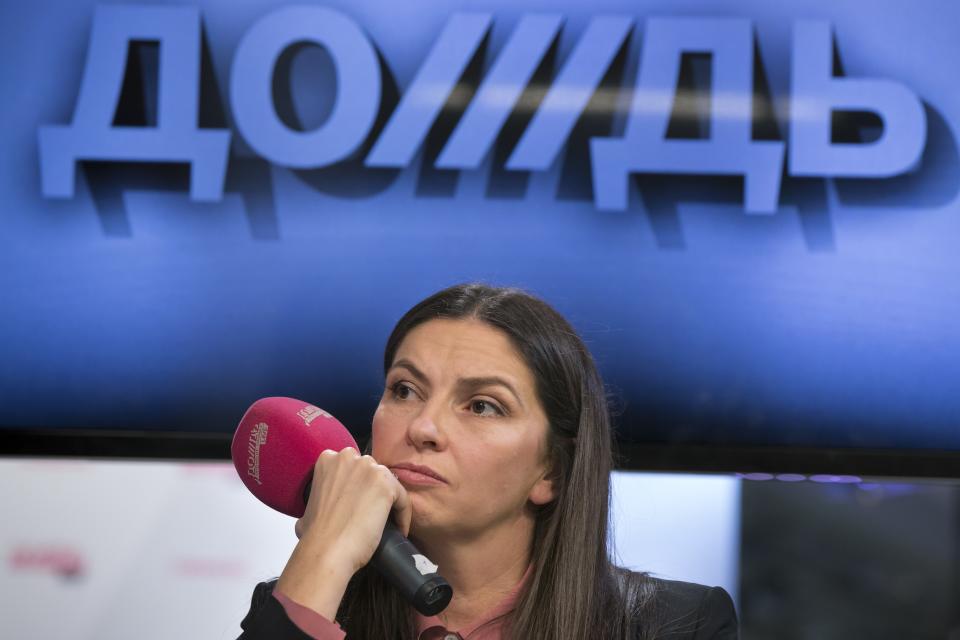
{"x": 274, "y": 451}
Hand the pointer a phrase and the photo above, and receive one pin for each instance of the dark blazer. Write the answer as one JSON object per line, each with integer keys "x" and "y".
{"x": 691, "y": 611}
{"x": 687, "y": 611}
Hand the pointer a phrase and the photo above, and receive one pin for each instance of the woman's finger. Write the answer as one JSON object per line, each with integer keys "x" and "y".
{"x": 402, "y": 511}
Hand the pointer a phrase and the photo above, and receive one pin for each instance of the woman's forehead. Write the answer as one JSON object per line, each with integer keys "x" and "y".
{"x": 465, "y": 347}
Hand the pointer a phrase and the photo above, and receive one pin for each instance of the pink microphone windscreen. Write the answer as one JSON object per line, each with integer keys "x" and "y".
{"x": 276, "y": 446}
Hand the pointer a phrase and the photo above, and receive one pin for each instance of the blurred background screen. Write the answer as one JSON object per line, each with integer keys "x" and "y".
{"x": 748, "y": 210}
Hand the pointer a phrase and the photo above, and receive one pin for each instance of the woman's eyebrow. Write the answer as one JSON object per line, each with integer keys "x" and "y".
{"x": 464, "y": 383}
{"x": 487, "y": 381}
{"x": 412, "y": 368}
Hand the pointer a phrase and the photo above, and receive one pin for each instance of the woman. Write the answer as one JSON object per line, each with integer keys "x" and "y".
{"x": 491, "y": 446}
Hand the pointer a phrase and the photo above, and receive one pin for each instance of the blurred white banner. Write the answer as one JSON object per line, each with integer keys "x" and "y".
{"x": 151, "y": 550}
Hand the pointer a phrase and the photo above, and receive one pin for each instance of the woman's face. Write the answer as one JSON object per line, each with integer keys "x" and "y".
{"x": 460, "y": 401}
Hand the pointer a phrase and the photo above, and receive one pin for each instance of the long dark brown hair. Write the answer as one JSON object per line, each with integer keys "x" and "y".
{"x": 575, "y": 591}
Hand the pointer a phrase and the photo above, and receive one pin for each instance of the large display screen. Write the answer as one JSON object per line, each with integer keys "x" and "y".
{"x": 748, "y": 210}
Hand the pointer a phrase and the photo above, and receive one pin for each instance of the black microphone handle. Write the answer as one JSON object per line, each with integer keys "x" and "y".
{"x": 408, "y": 570}
{"x": 411, "y": 572}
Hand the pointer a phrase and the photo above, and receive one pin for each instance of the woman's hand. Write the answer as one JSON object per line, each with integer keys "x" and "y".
{"x": 351, "y": 497}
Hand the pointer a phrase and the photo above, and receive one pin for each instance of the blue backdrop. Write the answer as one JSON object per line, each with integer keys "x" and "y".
{"x": 131, "y": 299}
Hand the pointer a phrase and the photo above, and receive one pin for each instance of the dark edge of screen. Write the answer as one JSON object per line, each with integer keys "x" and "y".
{"x": 678, "y": 458}
{"x": 808, "y": 461}
{"x": 80, "y": 443}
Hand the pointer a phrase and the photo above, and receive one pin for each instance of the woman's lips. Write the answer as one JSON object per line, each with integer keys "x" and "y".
{"x": 413, "y": 474}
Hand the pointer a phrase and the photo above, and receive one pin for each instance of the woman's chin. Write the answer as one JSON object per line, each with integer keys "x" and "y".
{"x": 429, "y": 529}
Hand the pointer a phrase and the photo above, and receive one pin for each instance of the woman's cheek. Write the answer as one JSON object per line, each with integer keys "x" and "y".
{"x": 379, "y": 433}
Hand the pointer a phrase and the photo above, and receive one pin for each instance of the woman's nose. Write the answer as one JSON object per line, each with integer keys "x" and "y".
{"x": 425, "y": 430}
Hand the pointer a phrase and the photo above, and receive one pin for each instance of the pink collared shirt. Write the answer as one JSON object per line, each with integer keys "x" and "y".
{"x": 488, "y": 627}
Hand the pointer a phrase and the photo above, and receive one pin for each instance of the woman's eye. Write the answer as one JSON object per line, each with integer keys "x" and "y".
{"x": 400, "y": 391}
{"x": 485, "y": 408}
